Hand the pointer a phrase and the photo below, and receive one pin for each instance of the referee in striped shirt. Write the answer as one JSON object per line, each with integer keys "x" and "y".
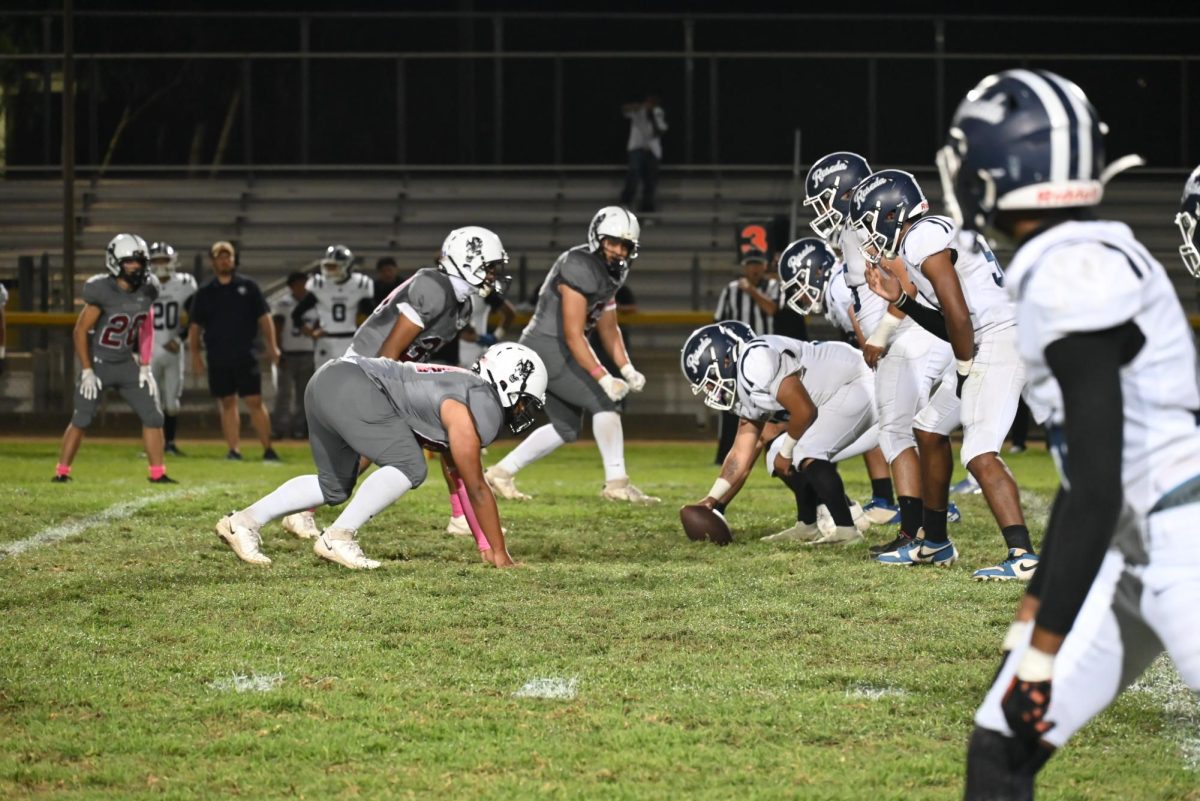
{"x": 752, "y": 299}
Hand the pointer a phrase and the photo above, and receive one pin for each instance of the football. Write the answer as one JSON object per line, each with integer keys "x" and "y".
{"x": 701, "y": 523}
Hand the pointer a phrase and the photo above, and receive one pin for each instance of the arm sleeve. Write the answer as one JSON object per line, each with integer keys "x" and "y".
{"x": 929, "y": 319}
{"x": 1087, "y": 368}
{"x": 146, "y": 337}
{"x": 309, "y": 301}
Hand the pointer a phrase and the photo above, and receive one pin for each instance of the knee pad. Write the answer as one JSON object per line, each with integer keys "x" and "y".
{"x": 567, "y": 434}
{"x": 153, "y": 420}
{"x": 82, "y": 419}
{"x": 415, "y": 473}
{"x": 335, "y": 496}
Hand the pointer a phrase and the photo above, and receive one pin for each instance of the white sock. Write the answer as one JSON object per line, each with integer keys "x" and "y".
{"x": 381, "y": 489}
{"x": 610, "y": 438}
{"x": 293, "y": 495}
{"x": 541, "y": 442}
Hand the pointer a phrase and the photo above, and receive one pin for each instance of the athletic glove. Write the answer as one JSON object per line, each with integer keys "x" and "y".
{"x": 1028, "y": 697}
{"x": 146, "y": 379}
{"x": 962, "y": 373}
{"x": 636, "y": 381}
{"x": 614, "y": 388}
{"x": 89, "y": 384}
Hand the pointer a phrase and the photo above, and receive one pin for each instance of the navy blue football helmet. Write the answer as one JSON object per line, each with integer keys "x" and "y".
{"x": 1024, "y": 139}
{"x": 827, "y": 190}
{"x": 1186, "y": 219}
{"x": 709, "y": 361}
{"x": 804, "y": 269}
{"x": 879, "y": 208}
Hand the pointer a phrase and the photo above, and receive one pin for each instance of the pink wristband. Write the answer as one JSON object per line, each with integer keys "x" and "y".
{"x": 598, "y": 371}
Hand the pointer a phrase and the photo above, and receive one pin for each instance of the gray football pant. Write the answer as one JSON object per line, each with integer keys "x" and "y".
{"x": 570, "y": 391}
{"x": 123, "y": 377}
{"x": 349, "y": 416}
{"x": 295, "y": 370}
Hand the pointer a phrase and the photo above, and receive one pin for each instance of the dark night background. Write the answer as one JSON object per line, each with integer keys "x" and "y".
{"x": 409, "y": 104}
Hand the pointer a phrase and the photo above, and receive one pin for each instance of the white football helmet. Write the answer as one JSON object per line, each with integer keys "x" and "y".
{"x": 615, "y": 222}
{"x": 164, "y": 260}
{"x": 520, "y": 378}
{"x": 475, "y": 255}
{"x": 122, "y": 248}
{"x": 337, "y": 263}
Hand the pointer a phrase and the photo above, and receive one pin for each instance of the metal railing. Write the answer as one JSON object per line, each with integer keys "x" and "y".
{"x": 461, "y": 95}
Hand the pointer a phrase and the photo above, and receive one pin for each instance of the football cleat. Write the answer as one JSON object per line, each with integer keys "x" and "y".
{"x": 61, "y": 479}
{"x": 163, "y": 479}
{"x": 1015, "y": 567}
{"x": 952, "y": 514}
{"x": 882, "y": 513}
{"x": 301, "y": 525}
{"x": 620, "y": 489}
{"x": 339, "y": 545}
{"x": 233, "y": 456}
{"x": 172, "y": 449}
{"x": 901, "y": 540}
{"x": 825, "y": 520}
{"x": 801, "y": 532}
{"x": 241, "y": 534}
{"x": 919, "y": 552}
{"x": 859, "y": 516}
{"x": 968, "y": 486}
{"x": 501, "y": 482}
{"x": 841, "y": 535}
{"x": 269, "y": 455}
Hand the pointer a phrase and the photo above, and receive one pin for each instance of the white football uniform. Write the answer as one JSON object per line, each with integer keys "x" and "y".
{"x": 337, "y": 306}
{"x": 3, "y": 297}
{"x": 1092, "y": 276}
{"x": 838, "y": 301}
{"x": 293, "y": 338}
{"x": 991, "y": 392}
{"x": 835, "y": 377}
{"x": 169, "y": 312}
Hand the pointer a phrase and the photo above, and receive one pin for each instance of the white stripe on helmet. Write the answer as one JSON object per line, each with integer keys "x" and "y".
{"x": 1060, "y": 133}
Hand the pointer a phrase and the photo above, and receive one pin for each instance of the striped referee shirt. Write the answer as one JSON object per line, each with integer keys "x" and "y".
{"x": 735, "y": 304}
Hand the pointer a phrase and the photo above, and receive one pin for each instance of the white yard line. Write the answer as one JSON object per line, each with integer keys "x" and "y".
{"x": 254, "y": 683}
{"x": 552, "y": 688}
{"x": 118, "y": 511}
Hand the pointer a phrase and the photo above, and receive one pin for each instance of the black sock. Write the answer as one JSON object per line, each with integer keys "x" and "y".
{"x": 910, "y": 515}
{"x": 169, "y": 427}
{"x": 882, "y": 488}
{"x": 1017, "y": 537}
{"x": 806, "y": 499}
{"x": 720, "y": 507}
{"x": 827, "y": 484}
{"x": 935, "y": 525}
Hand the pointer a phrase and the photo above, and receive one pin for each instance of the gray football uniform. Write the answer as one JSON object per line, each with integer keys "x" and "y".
{"x": 571, "y": 391}
{"x": 389, "y": 412}
{"x": 431, "y": 295}
{"x": 113, "y": 341}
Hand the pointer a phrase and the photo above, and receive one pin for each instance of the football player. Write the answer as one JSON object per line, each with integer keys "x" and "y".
{"x": 577, "y": 296}
{"x": 174, "y": 301}
{"x": 1108, "y": 347}
{"x": 1187, "y": 219}
{"x": 3, "y": 324}
{"x": 918, "y": 360}
{"x": 815, "y": 398}
{"x": 388, "y": 412}
{"x": 117, "y": 319}
{"x": 336, "y": 292}
{"x": 965, "y": 303}
{"x": 423, "y": 314}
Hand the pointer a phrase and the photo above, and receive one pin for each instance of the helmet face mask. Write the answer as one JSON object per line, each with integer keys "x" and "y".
{"x": 1188, "y": 251}
{"x": 519, "y": 377}
{"x": 709, "y": 362}
{"x": 879, "y": 209}
{"x": 124, "y": 248}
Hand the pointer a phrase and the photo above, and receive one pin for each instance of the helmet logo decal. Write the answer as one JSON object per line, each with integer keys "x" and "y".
{"x": 860, "y": 194}
{"x": 474, "y": 248}
{"x": 819, "y": 175}
{"x": 693, "y": 358}
{"x": 991, "y": 110}
{"x": 797, "y": 260}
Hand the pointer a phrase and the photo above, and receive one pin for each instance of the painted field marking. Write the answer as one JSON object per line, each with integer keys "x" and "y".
{"x": 1181, "y": 706}
{"x": 118, "y": 511}
{"x": 552, "y": 688}
{"x": 253, "y": 683}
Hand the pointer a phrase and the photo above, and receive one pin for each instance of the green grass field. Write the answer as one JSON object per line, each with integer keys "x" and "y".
{"x": 751, "y": 671}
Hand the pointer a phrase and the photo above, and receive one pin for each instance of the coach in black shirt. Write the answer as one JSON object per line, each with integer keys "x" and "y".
{"x": 232, "y": 311}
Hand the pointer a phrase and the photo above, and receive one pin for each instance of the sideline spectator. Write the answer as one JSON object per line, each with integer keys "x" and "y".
{"x": 296, "y": 363}
{"x": 752, "y": 299}
{"x": 647, "y": 124}
{"x": 231, "y": 309}
{"x": 387, "y": 278}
